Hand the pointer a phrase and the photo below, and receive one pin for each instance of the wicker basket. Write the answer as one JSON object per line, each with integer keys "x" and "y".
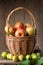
{"x": 22, "y": 45}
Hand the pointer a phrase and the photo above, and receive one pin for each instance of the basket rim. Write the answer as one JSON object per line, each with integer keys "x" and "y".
{"x": 20, "y": 38}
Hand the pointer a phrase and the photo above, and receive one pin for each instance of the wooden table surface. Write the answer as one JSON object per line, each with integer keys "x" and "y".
{"x": 5, "y": 61}
{"x": 9, "y": 62}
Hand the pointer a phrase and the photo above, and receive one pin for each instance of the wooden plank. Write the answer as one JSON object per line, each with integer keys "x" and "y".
{"x": 9, "y": 6}
{"x": 8, "y": 62}
{"x": 19, "y": 15}
{"x": 2, "y": 24}
{"x": 5, "y": 61}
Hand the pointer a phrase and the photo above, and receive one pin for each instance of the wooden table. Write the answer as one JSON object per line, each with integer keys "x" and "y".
{"x": 8, "y": 62}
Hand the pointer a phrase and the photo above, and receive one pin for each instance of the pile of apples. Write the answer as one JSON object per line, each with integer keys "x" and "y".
{"x": 20, "y": 57}
{"x": 20, "y": 29}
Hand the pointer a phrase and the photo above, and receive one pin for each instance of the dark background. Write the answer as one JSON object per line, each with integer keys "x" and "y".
{"x": 35, "y": 6}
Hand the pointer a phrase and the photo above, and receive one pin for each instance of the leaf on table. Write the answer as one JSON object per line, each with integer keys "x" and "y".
{"x": 25, "y": 62}
{"x": 40, "y": 61}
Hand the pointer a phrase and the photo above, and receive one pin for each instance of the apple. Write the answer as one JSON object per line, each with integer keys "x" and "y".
{"x": 30, "y": 30}
{"x": 28, "y": 56}
{"x": 15, "y": 58}
{"x": 20, "y": 57}
{"x": 38, "y": 55}
{"x": 11, "y": 30}
{"x": 4, "y": 54}
{"x": 6, "y": 29}
{"x": 9, "y": 56}
{"x": 34, "y": 56}
{"x": 19, "y": 25}
{"x": 20, "y": 33}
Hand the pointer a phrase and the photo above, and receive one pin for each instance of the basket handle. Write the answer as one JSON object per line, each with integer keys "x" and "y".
{"x": 21, "y": 8}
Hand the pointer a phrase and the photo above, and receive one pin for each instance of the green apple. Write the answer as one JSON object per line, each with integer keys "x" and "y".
{"x": 34, "y": 56}
{"x": 28, "y": 56}
{"x": 15, "y": 58}
{"x": 9, "y": 56}
{"x": 30, "y": 30}
{"x": 4, "y": 54}
{"x": 38, "y": 55}
{"x": 20, "y": 57}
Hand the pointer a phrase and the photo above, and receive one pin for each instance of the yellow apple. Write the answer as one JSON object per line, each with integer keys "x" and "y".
{"x": 6, "y": 29}
{"x": 20, "y": 57}
{"x": 15, "y": 58}
{"x": 4, "y": 54}
{"x": 34, "y": 56}
{"x": 28, "y": 56}
{"x": 30, "y": 30}
{"x": 11, "y": 30}
{"x": 9, "y": 56}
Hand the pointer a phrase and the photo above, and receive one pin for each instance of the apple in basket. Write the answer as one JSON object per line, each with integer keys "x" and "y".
{"x": 11, "y": 30}
{"x": 30, "y": 30}
{"x": 19, "y": 25}
{"x": 27, "y": 25}
{"x": 20, "y": 32}
{"x": 6, "y": 29}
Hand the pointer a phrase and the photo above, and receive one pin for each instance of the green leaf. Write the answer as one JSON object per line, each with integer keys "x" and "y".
{"x": 40, "y": 61}
{"x": 33, "y": 62}
{"x": 25, "y": 62}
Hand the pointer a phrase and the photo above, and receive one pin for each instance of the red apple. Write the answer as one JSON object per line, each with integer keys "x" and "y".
{"x": 20, "y": 33}
{"x": 19, "y": 25}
